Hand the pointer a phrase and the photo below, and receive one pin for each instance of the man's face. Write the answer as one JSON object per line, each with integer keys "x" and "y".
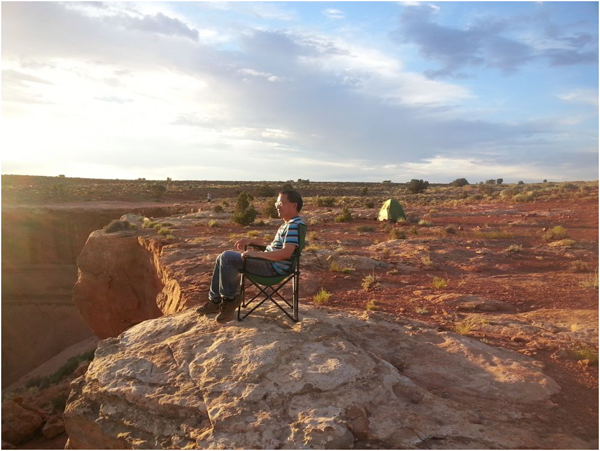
{"x": 285, "y": 208}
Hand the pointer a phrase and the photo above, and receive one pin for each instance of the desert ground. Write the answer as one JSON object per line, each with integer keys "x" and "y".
{"x": 495, "y": 262}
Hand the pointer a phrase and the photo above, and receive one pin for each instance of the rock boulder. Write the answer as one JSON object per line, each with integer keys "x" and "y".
{"x": 331, "y": 381}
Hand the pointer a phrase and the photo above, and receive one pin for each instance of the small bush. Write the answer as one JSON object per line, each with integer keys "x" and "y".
{"x": 346, "y": 216}
{"x": 246, "y": 217}
{"x": 439, "y": 283}
{"x": 466, "y": 326}
{"x": 397, "y": 234}
{"x": 337, "y": 267}
{"x": 460, "y": 182}
{"x": 590, "y": 281}
{"x": 555, "y": 234}
{"x": 450, "y": 230}
{"x": 426, "y": 260}
{"x": 586, "y": 353}
{"x": 425, "y": 223}
{"x": 213, "y": 223}
{"x": 322, "y": 297}
{"x": 417, "y": 186}
{"x": 266, "y": 191}
{"x": 370, "y": 204}
{"x": 369, "y": 282}
{"x": 579, "y": 266}
{"x": 325, "y": 201}
{"x": 269, "y": 209}
{"x": 217, "y": 209}
{"x": 372, "y": 305}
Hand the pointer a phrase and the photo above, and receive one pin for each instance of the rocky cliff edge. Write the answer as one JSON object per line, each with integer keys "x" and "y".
{"x": 332, "y": 381}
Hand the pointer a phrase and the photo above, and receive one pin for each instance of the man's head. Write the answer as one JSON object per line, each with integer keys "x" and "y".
{"x": 289, "y": 203}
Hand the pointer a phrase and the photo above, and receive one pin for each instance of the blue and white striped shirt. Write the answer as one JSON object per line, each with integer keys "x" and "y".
{"x": 287, "y": 234}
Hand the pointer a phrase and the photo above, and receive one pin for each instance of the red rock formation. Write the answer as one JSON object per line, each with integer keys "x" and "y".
{"x": 118, "y": 283}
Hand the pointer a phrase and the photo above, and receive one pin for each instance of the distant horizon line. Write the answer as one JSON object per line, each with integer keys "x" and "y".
{"x": 300, "y": 180}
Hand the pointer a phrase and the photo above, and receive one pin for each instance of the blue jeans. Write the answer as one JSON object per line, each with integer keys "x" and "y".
{"x": 228, "y": 265}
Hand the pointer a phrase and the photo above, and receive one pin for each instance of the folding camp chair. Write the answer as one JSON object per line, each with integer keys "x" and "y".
{"x": 270, "y": 287}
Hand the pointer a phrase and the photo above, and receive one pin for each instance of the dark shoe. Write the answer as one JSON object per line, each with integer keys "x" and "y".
{"x": 228, "y": 307}
{"x": 208, "y": 308}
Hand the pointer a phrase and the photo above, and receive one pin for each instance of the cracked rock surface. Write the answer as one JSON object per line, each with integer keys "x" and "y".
{"x": 332, "y": 381}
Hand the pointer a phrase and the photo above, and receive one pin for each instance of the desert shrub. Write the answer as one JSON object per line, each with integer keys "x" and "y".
{"x": 426, "y": 260}
{"x": 158, "y": 189}
{"x": 117, "y": 226}
{"x": 269, "y": 209}
{"x": 439, "y": 283}
{"x": 590, "y": 281}
{"x": 337, "y": 267}
{"x": 579, "y": 266}
{"x": 585, "y": 353}
{"x": 466, "y": 326}
{"x": 148, "y": 224}
{"x": 476, "y": 197}
{"x": 325, "y": 201}
{"x": 524, "y": 197}
{"x": 68, "y": 368}
{"x": 397, "y": 234}
{"x": 460, "y": 182}
{"x": 450, "y": 230}
{"x": 555, "y": 234}
{"x": 213, "y": 223}
{"x": 494, "y": 234}
{"x": 287, "y": 185}
{"x": 422, "y": 310}
{"x": 164, "y": 231}
{"x": 322, "y": 297}
{"x": 369, "y": 204}
{"x": 346, "y": 216}
{"x": 417, "y": 186}
{"x": 265, "y": 191}
{"x": 414, "y": 230}
{"x": 217, "y": 209}
{"x": 372, "y": 305}
{"x": 244, "y": 213}
{"x": 425, "y": 223}
{"x": 369, "y": 282}
{"x": 514, "y": 248}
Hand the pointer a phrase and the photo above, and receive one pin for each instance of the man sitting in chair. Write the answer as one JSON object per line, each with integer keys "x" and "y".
{"x": 223, "y": 297}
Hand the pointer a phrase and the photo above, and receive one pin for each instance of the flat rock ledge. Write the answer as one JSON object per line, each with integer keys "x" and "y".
{"x": 331, "y": 381}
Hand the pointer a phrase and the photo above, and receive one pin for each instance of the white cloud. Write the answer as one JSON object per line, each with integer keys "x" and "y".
{"x": 585, "y": 96}
{"x": 334, "y": 13}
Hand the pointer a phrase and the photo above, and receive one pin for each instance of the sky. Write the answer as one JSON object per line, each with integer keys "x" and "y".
{"x": 325, "y": 91}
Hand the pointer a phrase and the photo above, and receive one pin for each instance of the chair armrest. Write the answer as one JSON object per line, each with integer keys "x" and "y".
{"x": 256, "y": 246}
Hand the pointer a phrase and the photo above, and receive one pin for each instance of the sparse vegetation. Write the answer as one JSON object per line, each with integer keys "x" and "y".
{"x": 213, "y": 223}
{"x": 586, "y": 353}
{"x": 555, "y": 234}
{"x": 397, "y": 234}
{"x": 346, "y": 216}
{"x": 365, "y": 228}
{"x": 439, "y": 283}
{"x": 579, "y": 266}
{"x": 68, "y": 368}
{"x": 514, "y": 248}
{"x": 325, "y": 201}
{"x": 338, "y": 267}
{"x": 372, "y": 305}
{"x": 118, "y": 226}
{"x": 591, "y": 281}
{"x": 416, "y": 186}
{"x": 494, "y": 234}
{"x": 466, "y": 326}
{"x": 322, "y": 297}
{"x": 217, "y": 209}
{"x": 369, "y": 282}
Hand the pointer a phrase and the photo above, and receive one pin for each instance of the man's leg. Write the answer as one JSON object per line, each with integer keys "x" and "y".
{"x": 224, "y": 280}
{"x": 236, "y": 263}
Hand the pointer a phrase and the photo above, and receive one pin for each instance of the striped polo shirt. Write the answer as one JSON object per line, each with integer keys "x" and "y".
{"x": 287, "y": 234}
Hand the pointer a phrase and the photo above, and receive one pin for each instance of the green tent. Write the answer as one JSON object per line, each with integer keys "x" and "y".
{"x": 391, "y": 211}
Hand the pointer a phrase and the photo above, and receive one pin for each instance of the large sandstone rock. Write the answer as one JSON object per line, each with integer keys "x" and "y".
{"x": 331, "y": 381}
{"x": 118, "y": 283}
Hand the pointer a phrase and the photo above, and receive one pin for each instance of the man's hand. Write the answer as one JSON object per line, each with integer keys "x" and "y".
{"x": 253, "y": 254}
{"x": 240, "y": 244}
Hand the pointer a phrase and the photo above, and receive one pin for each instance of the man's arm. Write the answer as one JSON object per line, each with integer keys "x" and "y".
{"x": 240, "y": 244}
{"x": 280, "y": 254}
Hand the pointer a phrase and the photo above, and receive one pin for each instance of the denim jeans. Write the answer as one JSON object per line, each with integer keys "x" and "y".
{"x": 227, "y": 266}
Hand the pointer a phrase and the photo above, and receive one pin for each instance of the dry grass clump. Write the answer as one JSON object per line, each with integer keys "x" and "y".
{"x": 369, "y": 282}
{"x": 591, "y": 281}
{"x": 439, "y": 283}
{"x": 372, "y": 305}
{"x": 322, "y": 297}
{"x": 338, "y": 267}
{"x": 555, "y": 234}
{"x": 586, "y": 353}
{"x": 495, "y": 234}
{"x": 466, "y": 326}
{"x": 514, "y": 248}
{"x": 579, "y": 266}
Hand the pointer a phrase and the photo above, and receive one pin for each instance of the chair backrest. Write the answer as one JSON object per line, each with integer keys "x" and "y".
{"x": 301, "y": 241}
